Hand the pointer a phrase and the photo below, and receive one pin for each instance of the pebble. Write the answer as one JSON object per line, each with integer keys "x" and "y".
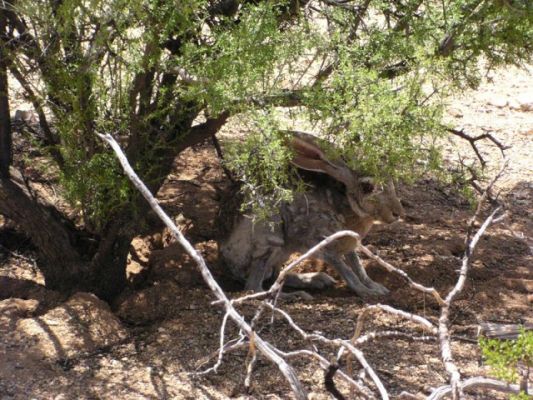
{"x": 454, "y": 112}
{"x": 498, "y": 101}
{"x": 526, "y": 101}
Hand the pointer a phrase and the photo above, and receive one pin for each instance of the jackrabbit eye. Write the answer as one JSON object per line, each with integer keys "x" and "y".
{"x": 367, "y": 187}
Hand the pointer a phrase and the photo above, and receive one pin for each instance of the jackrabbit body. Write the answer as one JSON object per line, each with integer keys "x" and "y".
{"x": 256, "y": 252}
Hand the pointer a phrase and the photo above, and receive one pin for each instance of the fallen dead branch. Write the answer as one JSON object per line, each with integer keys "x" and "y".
{"x": 444, "y": 333}
{"x": 478, "y": 383}
{"x": 249, "y": 331}
{"x": 265, "y": 348}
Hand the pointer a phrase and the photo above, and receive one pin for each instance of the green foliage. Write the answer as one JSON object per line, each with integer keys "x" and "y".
{"x": 244, "y": 59}
{"x": 117, "y": 67}
{"x": 505, "y": 355}
{"x": 98, "y": 187}
{"x": 262, "y": 163}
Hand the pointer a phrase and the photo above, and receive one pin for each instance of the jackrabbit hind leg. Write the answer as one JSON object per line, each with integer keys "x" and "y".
{"x": 309, "y": 280}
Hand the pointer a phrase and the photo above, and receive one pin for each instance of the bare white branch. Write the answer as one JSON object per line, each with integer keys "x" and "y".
{"x": 478, "y": 382}
{"x": 403, "y": 274}
{"x": 287, "y": 371}
{"x": 221, "y": 349}
{"x": 444, "y": 333}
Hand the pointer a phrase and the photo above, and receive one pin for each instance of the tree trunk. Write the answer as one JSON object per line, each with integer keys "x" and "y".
{"x": 5, "y": 120}
{"x": 66, "y": 260}
{"x": 69, "y": 261}
{"x": 60, "y": 263}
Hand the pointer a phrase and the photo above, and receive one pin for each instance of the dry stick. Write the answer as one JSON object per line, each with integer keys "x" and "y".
{"x": 471, "y": 242}
{"x": 417, "y": 319}
{"x": 287, "y": 371}
{"x": 309, "y": 337}
{"x": 478, "y": 382}
{"x": 221, "y": 350}
{"x": 393, "y": 335}
{"x": 231, "y": 345}
{"x": 390, "y": 268}
{"x": 444, "y": 333}
{"x": 473, "y": 139}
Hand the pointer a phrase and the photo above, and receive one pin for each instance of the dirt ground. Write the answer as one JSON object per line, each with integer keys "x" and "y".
{"x": 149, "y": 343}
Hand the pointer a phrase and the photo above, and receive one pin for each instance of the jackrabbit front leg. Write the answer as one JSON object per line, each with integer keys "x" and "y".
{"x": 351, "y": 279}
{"x": 352, "y": 259}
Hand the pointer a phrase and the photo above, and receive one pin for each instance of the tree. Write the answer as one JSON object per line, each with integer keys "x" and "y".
{"x": 371, "y": 75}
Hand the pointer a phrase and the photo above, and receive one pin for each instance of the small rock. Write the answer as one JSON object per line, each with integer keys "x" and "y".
{"x": 82, "y": 325}
{"x": 530, "y": 298}
{"x": 454, "y": 112}
{"x": 526, "y": 101}
{"x": 498, "y": 101}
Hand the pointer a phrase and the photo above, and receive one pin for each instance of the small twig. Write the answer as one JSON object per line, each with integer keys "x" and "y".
{"x": 231, "y": 345}
{"x": 251, "y": 359}
{"x": 417, "y": 319}
{"x": 473, "y": 139}
{"x": 390, "y": 268}
{"x": 478, "y": 382}
{"x": 220, "y": 154}
{"x": 221, "y": 350}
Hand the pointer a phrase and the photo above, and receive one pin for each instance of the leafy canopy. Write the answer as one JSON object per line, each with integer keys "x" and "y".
{"x": 370, "y": 75}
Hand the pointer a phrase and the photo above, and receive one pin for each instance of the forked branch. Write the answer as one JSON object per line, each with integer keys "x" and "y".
{"x": 473, "y": 139}
{"x": 350, "y": 346}
{"x": 263, "y": 347}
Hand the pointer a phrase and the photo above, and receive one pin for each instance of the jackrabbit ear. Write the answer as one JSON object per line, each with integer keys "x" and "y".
{"x": 308, "y": 156}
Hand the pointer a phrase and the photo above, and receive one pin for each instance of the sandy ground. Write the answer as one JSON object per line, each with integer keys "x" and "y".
{"x": 152, "y": 339}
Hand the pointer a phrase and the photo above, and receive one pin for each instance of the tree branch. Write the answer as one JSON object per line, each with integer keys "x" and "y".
{"x": 478, "y": 382}
{"x": 265, "y": 349}
{"x": 473, "y": 139}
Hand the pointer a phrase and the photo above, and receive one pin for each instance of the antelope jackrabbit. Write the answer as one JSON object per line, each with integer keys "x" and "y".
{"x": 256, "y": 252}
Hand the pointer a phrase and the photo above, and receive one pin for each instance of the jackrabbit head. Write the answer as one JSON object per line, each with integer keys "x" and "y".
{"x": 366, "y": 200}
{"x": 384, "y": 205}
{"x": 309, "y": 156}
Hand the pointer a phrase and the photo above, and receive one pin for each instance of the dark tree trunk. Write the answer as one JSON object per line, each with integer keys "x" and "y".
{"x": 5, "y": 120}
{"x": 60, "y": 263}
{"x": 66, "y": 258}
{"x": 69, "y": 259}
